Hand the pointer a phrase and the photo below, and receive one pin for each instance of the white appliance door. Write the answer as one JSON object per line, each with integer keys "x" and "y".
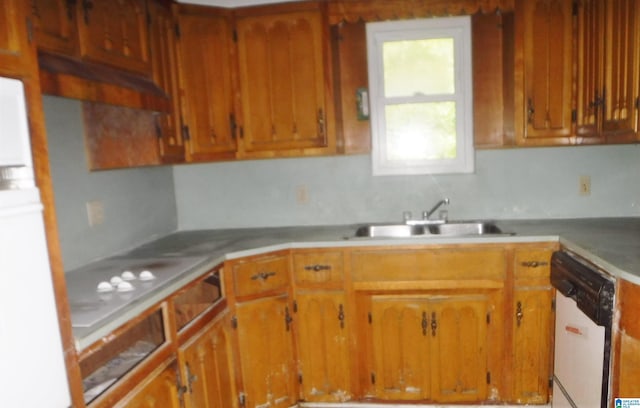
{"x": 14, "y": 136}
{"x": 33, "y": 373}
{"x": 579, "y": 356}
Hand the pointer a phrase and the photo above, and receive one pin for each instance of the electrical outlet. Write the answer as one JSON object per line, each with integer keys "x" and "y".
{"x": 585, "y": 185}
{"x": 95, "y": 213}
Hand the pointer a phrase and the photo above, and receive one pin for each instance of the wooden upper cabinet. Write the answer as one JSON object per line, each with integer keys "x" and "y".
{"x": 544, "y": 37}
{"x": 115, "y": 33}
{"x": 16, "y": 56}
{"x": 55, "y": 25}
{"x": 205, "y": 80}
{"x": 282, "y": 77}
{"x": 608, "y": 59}
{"x": 164, "y": 59}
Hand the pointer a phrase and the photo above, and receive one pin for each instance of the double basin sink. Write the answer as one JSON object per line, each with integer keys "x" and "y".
{"x": 448, "y": 229}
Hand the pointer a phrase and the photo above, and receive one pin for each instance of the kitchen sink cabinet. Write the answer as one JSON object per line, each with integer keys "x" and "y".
{"x": 55, "y": 26}
{"x": 208, "y": 366}
{"x": 115, "y": 33}
{"x": 205, "y": 65}
{"x": 429, "y": 322}
{"x": 533, "y": 326}
{"x": 544, "y": 53}
{"x": 164, "y": 61}
{"x": 608, "y": 70}
{"x": 283, "y": 78}
{"x": 160, "y": 390}
{"x": 429, "y": 346}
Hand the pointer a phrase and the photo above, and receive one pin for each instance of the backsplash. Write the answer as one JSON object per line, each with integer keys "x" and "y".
{"x": 521, "y": 183}
{"x": 144, "y": 203}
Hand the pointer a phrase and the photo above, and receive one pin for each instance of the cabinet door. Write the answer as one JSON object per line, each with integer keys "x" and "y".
{"x": 16, "y": 56}
{"x": 532, "y": 345}
{"x": 55, "y": 25}
{"x": 458, "y": 326}
{"x": 323, "y": 347}
{"x": 608, "y": 70}
{"x": 114, "y": 32}
{"x": 159, "y": 391}
{"x": 165, "y": 75}
{"x": 205, "y": 80}
{"x": 264, "y": 336}
{"x": 548, "y": 51}
{"x": 207, "y": 365}
{"x": 282, "y": 75}
{"x": 401, "y": 339}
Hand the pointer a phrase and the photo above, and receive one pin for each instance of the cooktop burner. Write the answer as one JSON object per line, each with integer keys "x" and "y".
{"x": 103, "y": 288}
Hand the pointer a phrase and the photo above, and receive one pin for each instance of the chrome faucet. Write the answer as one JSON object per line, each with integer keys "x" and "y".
{"x": 427, "y": 214}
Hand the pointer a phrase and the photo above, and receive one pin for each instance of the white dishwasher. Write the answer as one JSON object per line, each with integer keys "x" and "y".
{"x": 584, "y": 310}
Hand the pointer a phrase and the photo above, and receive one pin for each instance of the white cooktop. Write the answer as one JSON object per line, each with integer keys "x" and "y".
{"x": 90, "y": 305}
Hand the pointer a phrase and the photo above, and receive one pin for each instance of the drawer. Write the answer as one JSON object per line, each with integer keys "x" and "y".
{"x": 261, "y": 275}
{"x": 429, "y": 264}
{"x": 532, "y": 265}
{"x": 318, "y": 268}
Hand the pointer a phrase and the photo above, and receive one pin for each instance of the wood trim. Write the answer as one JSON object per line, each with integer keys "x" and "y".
{"x": 427, "y": 285}
{"x": 366, "y": 10}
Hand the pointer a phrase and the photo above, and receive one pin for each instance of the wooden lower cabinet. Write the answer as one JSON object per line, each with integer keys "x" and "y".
{"x": 159, "y": 390}
{"x": 429, "y": 347}
{"x": 264, "y": 329}
{"x": 323, "y": 347}
{"x": 208, "y": 367}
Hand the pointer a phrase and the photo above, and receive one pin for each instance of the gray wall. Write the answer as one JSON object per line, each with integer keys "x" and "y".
{"x": 508, "y": 184}
{"x": 139, "y": 204}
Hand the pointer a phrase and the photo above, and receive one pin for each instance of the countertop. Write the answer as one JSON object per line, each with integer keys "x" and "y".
{"x": 610, "y": 243}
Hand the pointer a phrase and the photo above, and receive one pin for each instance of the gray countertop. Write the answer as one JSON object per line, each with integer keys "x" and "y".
{"x": 611, "y": 243}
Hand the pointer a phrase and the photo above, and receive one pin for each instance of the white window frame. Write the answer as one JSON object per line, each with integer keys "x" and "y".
{"x": 458, "y": 28}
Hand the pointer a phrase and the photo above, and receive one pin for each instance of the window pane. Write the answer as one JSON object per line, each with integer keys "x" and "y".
{"x": 418, "y": 67}
{"x": 419, "y": 131}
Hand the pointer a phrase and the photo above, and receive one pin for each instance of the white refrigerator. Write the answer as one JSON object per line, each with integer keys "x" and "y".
{"x": 33, "y": 373}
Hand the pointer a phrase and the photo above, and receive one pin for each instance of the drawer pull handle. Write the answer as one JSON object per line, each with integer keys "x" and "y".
{"x": 287, "y": 318}
{"x": 519, "y": 313}
{"x": 534, "y": 264}
{"x": 317, "y": 268}
{"x": 341, "y": 316}
{"x": 263, "y": 276}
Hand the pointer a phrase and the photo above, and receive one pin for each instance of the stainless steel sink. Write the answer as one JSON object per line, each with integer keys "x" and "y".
{"x": 390, "y": 230}
{"x": 449, "y": 229}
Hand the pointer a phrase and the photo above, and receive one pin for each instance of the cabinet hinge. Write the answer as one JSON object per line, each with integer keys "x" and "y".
{"x": 574, "y": 9}
{"x": 551, "y": 382}
{"x": 235, "y": 35}
{"x": 638, "y": 103}
{"x": 234, "y": 322}
{"x": 488, "y": 317}
{"x": 370, "y": 318}
{"x": 295, "y": 306}
{"x": 176, "y": 29}
{"x": 29, "y": 30}
{"x": 488, "y": 377}
{"x": 242, "y": 399}
{"x": 186, "y": 135}
{"x": 300, "y": 379}
{"x": 373, "y": 378}
{"x": 574, "y": 116}
{"x": 158, "y": 130}
{"x": 553, "y": 304}
{"x": 148, "y": 18}
{"x": 182, "y": 389}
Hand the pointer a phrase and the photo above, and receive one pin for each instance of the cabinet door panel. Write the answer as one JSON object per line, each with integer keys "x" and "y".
{"x": 323, "y": 347}
{"x": 401, "y": 348}
{"x": 205, "y": 78}
{"x": 267, "y": 352}
{"x": 15, "y": 50}
{"x": 548, "y": 49}
{"x": 114, "y": 32}
{"x": 460, "y": 348}
{"x": 55, "y": 25}
{"x": 532, "y": 345}
{"x": 159, "y": 392}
